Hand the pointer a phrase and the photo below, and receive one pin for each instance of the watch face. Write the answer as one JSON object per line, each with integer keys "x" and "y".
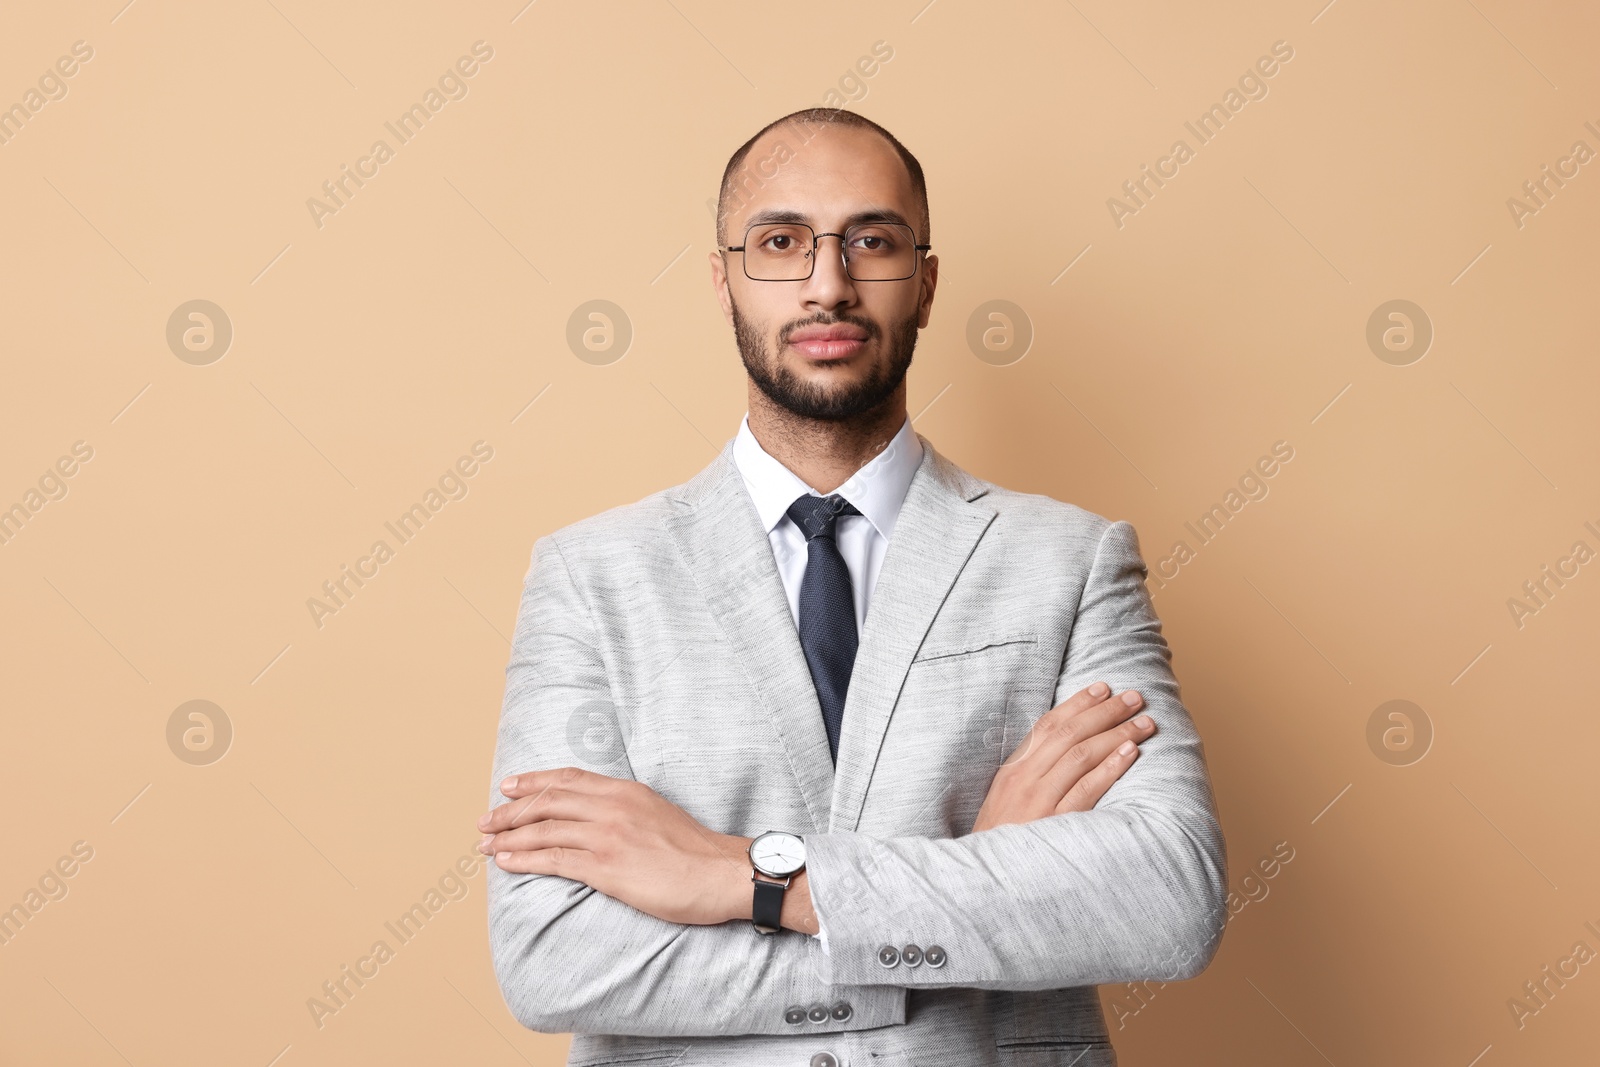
{"x": 778, "y": 854}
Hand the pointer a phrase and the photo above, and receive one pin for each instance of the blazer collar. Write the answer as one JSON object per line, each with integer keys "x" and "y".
{"x": 720, "y": 536}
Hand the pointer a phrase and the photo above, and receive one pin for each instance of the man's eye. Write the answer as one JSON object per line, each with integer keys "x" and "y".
{"x": 874, "y": 242}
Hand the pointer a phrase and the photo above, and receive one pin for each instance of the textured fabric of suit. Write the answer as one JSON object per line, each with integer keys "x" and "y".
{"x": 654, "y": 642}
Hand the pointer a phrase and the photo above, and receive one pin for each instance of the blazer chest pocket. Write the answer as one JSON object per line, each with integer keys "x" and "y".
{"x": 966, "y": 703}
{"x": 942, "y": 650}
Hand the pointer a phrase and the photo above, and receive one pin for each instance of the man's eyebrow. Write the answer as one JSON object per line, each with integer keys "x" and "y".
{"x": 789, "y": 215}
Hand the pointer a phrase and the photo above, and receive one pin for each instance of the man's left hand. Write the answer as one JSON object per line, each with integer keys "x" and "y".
{"x": 622, "y": 838}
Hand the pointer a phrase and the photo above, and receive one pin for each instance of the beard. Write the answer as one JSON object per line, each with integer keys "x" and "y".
{"x": 825, "y": 403}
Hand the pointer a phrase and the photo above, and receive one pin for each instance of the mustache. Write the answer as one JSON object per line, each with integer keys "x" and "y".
{"x": 867, "y": 326}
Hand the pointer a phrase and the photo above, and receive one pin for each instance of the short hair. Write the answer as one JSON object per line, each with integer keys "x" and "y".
{"x": 808, "y": 117}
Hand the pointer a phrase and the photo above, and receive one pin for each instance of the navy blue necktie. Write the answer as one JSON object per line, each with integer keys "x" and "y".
{"x": 827, "y": 608}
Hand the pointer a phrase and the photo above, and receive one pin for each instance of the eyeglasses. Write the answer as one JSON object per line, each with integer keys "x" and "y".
{"x": 872, "y": 251}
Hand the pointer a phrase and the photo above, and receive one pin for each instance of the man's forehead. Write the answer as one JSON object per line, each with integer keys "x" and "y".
{"x": 824, "y": 176}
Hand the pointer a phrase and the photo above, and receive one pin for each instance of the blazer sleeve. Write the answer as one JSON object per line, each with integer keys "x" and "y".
{"x": 570, "y": 959}
{"x": 1132, "y": 889}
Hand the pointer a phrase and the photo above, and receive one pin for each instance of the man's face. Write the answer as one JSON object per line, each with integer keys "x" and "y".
{"x": 829, "y": 347}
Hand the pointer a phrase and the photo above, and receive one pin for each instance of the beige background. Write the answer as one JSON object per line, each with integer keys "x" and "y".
{"x": 368, "y": 354}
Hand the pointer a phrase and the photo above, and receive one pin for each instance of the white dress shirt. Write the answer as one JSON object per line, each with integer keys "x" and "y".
{"x": 877, "y": 490}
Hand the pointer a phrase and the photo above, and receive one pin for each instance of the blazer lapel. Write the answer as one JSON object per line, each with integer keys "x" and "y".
{"x": 721, "y": 540}
{"x": 938, "y": 529}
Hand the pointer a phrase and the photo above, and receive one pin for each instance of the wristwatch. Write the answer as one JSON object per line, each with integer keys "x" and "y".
{"x": 776, "y": 855}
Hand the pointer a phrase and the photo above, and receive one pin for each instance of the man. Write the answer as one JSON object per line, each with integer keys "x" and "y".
{"x": 774, "y": 702}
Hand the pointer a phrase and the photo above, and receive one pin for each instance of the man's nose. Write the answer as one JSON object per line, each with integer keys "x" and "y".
{"x": 830, "y": 284}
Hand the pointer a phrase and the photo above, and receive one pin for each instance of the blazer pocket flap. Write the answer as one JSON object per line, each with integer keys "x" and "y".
{"x": 971, "y": 645}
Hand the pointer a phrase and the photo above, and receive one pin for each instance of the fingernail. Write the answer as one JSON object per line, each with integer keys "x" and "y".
{"x": 503, "y": 857}
{"x": 1098, "y": 689}
{"x": 1131, "y": 699}
{"x": 483, "y": 846}
{"x": 483, "y": 821}
{"x": 509, "y": 783}
{"x": 1126, "y": 748}
{"x": 1143, "y": 722}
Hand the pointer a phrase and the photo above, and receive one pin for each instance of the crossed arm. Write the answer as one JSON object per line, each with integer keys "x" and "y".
{"x": 610, "y": 908}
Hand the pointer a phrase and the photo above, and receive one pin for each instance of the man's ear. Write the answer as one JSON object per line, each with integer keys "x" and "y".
{"x": 719, "y": 282}
{"x": 930, "y": 282}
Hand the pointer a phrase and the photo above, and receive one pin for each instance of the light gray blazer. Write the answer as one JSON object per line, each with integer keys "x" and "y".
{"x": 654, "y": 642}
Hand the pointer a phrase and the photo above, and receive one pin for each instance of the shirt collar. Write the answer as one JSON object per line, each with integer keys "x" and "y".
{"x": 877, "y": 490}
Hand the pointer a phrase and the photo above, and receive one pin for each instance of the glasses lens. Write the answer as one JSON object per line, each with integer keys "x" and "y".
{"x": 880, "y": 252}
{"x": 778, "y": 252}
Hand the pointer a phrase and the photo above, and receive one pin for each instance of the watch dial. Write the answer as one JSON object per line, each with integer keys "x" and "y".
{"x": 779, "y": 854}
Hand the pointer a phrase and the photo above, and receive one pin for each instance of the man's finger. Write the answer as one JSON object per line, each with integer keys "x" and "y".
{"x": 549, "y": 804}
{"x": 574, "y": 863}
{"x": 1091, "y": 787}
{"x": 575, "y": 779}
{"x": 1081, "y": 716}
{"x": 1087, "y": 756}
{"x": 571, "y": 779}
{"x": 1083, "y": 699}
{"x": 547, "y": 833}
{"x": 1061, "y": 717}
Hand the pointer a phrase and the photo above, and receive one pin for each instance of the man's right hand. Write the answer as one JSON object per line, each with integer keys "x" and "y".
{"x": 1069, "y": 759}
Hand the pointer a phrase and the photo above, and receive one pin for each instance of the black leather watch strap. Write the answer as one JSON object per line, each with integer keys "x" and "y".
{"x": 767, "y": 907}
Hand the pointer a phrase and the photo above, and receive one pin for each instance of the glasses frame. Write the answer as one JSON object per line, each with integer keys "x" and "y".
{"x": 844, "y": 255}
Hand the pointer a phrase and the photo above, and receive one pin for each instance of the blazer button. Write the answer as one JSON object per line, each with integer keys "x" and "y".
{"x": 842, "y": 1011}
{"x": 934, "y": 956}
{"x": 824, "y": 1059}
{"x": 817, "y": 1014}
{"x": 795, "y": 1015}
{"x": 889, "y": 956}
{"x": 912, "y": 955}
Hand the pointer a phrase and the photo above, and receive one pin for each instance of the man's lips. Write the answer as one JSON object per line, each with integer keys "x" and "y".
{"x": 828, "y": 342}
{"x": 828, "y": 349}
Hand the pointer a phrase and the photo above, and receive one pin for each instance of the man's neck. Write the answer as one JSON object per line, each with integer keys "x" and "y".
{"x": 824, "y": 454}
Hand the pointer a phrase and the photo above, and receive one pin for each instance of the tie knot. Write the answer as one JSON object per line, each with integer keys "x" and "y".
{"x": 816, "y": 515}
